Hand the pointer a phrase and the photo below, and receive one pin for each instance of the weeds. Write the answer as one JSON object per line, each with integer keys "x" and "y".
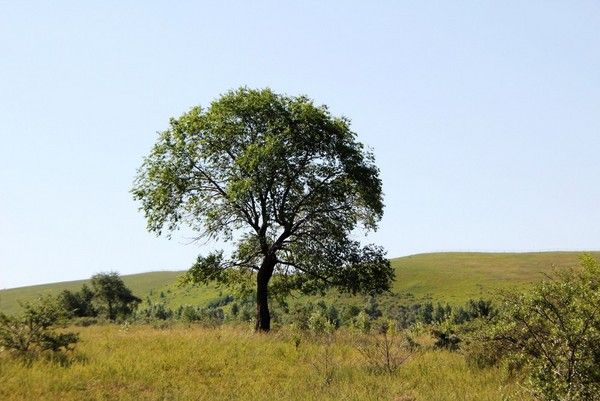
{"x": 387, "y": 349}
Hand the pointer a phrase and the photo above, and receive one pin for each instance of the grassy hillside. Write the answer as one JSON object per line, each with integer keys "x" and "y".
{"x": 455, "y": 277}
{"x": 141, "y": 284}
{"x": 231, "y": 363}
{"x": 447, "y": 277}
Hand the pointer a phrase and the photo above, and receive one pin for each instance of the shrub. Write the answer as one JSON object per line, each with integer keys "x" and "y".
{"x": 235, "y": 309}
{"x": 208, "y": 316}
{"x": 323, "y": 331}
{"x": 372, "y": 308}
{"x": 362, "y": 322}
{"x": 333, "y": 316}
{"x": 221, "y": 301}
{"x": 445, "y": 336}
{"x": 319, "y": 324}
{"x": 554, "y": 331}
{"x": 34, "y": 331}
{"x": 386, "y": 349}
{"x": 349, "y": 312}
{"x": 78, "y": 303}
{"x": 300, "y": 315}
{"x": 154, "y": 311}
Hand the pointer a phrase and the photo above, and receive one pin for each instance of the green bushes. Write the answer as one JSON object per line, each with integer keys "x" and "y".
{"x": 208, "y": 316}
{"x": 154, "y": 311}
{"x": 109, "y": 297}
{"x": 553, "y": 332}
{"x": 78, "y": 303}
{"x": 34, "y": 332}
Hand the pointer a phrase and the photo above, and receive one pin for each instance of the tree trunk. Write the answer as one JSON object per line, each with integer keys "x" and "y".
{"x": 263, "y": 317}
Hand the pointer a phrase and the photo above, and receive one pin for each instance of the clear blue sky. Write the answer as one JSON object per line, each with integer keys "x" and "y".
{"x": 484, "y": 117}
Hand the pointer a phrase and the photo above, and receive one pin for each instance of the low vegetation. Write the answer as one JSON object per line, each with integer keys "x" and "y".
{"x": 539, "y": 344}
{"x": 34, "y": 332}
{"x": 230, "y": 362}
{"x": 552, "y": 333}
{"x": 451, "y": 278}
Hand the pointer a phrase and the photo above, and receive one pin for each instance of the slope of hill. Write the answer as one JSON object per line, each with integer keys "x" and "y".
{"x": 447, "y": 277}
{"x": 455, "y": 277}
{"x": 141, "y": 285}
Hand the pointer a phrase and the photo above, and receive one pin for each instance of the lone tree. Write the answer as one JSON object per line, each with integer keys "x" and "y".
{"x": 112, "y": 295}
{"x": 281, "y": 178}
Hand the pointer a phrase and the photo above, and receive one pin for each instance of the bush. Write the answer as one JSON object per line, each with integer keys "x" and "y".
{"x": 445, "y": 336}
{"x": 208, "y": 316}
{"x": 300, "y": 315}
{"x": 78, "y": 303}
{"x": 34, "y": 331}
{"x": 348, "y": 313}
{"x": 386, "y": 349}
{"x": 362, "y": 322}
{"x": 221, "y": 301}
{"x": 319, "y": 324}
{"x": 154, "y": 311}
{"x": 555, "y": 332}
{"x": 372, "y": 308}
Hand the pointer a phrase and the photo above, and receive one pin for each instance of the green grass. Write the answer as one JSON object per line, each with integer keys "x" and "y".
{"x": 143, "y": 285}
{"x": 141, "y": 362}
{"x": 445, "y": 277}
{"x": 455, "y": 277}
{"x": 232, "y": 363}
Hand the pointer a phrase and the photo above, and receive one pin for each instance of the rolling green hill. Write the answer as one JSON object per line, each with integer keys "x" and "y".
{"x": 455, "y": 277}
{"x": 447, "y": 277}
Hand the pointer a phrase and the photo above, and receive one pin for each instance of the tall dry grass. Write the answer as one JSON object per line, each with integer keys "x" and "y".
{"x": 232, "y": 363}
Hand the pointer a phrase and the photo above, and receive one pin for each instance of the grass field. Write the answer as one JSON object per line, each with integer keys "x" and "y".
{"x": 455, "y": 277}
{"x": 446, "y": 277}
{"x": 231, "y": 363}
{"x": 191, "y": 362}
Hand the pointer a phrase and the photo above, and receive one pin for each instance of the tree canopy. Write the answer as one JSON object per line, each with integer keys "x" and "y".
{"x": 112, "y": 296}
{"x": 280, "y": 177}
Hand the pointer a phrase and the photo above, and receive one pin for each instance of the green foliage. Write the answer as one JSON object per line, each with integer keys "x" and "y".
{"x": 221, "y": 301}
{"x": 348, "y": 313}
{"x": 319, "y": 323}
{"x": 34, "y": 331}
{"x": 446, "y": 336}
{"x": 112, "y": 297}
{"x": 78, "y": 303}
{"x": 362, "y": 322}
{"x": 235, "y": 309}
{"x": 451, "y": 278}
{"x": 154, "y": 311}
{"x": 426, "y": 313}
{"x": 205, "y": 316}
{"x": 372, "y": 308}
{"x": 282, "y": 178}
{"x": 333, "y": 316}
{"x": 553, "y": 331}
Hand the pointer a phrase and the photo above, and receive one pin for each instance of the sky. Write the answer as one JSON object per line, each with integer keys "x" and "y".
{"x": 484, "y": 118}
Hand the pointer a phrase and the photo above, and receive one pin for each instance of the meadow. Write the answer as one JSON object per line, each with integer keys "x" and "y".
{"x": 173, "y": 360}
{"x": 134, "y": 362}
{"x": 452, "y": 277}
